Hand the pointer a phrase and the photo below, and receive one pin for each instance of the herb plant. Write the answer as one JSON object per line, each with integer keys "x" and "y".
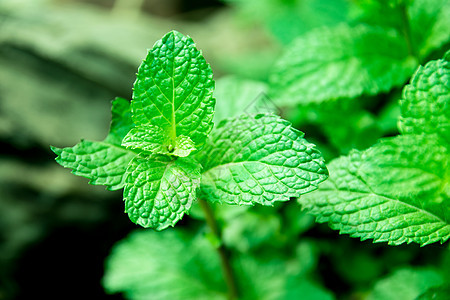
{"x": 170, "y": 159}
{"x": 158, "y": 152}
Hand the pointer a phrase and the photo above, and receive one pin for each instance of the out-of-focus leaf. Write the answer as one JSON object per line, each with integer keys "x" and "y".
{"x": 405, "y": 284}
{"x": 172, "y": 264}
{"x": 436, "y": 293}
{"x": 251, "y": 230}
{"x": 235, "y": 96}
{"x": 340, "y": 62}
{"x": 275, "y": 279}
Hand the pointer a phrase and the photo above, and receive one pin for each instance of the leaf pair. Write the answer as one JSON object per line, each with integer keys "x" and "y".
{"x": 158, "y": 146}
{"x": 398, "y": 190}
{"x": 146, "y": 151}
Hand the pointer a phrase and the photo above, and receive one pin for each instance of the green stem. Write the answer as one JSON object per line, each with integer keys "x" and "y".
{"x": 407, "y": 30}
{"x": 222, "y": 251}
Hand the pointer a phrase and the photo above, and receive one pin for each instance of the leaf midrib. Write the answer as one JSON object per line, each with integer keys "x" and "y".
{"x": 372, "y": 193}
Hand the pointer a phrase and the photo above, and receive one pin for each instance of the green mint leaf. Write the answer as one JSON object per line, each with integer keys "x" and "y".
{"x": 436, "y": 293}
{"x": 235, "y": 95}
{"x": 173, "y": 91}
{"x": 152, "y": 139}
{"x": 183, "y": 146}
{"x": 396, "y": 192}
{"x": 430, "y": 24}
{"x": 104, "y": 163}
{"x": 259, "y": 159}
{"x": 425, "y": 103}
{"x": 341, "y": 62}
{"x": 159, "y": 190}
{"x": 148, "y": 138}
{"x": 407, "y": 283}
{"x": 172, "y": 264}
{"x": 289, "y": 19}
{"x": 275, "y": 279}
{"x": 175, "y": 264}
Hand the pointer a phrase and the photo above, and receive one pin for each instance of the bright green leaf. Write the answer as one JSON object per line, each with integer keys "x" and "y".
{"x": 395, "y": 192}
{"x": 425, "y": 107}
{"x": 104, "y": 163}
{"x": 171, "y": 264}
{"x": 183, "y": 146}
{"x": 148, "y": 138}
{"x": 173, "y": 90}
{"x": 159, "y": 190}
{"x": 341, "y": 62}
{"x": 405, "y": 284}
{"x": 259, "y": 159}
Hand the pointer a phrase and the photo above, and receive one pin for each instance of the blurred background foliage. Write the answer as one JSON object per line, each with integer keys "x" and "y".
{"x": 63, "y": 61}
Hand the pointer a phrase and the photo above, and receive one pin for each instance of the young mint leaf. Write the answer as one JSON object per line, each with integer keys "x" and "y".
{"x": 341, "y": 62}
{"x": 160, "y": 189}
{"x": 396, "y": 192}
{"x": 425, "y": 104}
{"x": 259, "y": 159}
{"x": 183, "y": 146}
{"x": 405, "y": 284}
{"x": 148, "y": 138}
{"x": 104, "y": 163}
{"x": 172, "y": 264}
{"x": 173, "y": 91}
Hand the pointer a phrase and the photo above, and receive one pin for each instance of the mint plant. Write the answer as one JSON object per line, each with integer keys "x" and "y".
{"x": 163, "y": 151}
{"x": 381, "y": 118}
{"x": 398, "y": 190}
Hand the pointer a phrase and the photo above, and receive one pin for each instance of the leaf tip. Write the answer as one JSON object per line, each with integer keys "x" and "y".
{"x": 56, "y": 150}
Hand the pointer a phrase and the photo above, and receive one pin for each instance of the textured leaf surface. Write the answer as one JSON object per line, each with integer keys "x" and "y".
{"x": 340, "y": 62}
{"x": 159, "y": 190}
{"x": 259, "y": 159}
{"x": 148, "y": 138}
{"x": 397, "y": 191}
{"x": 171, "y": 264}
{"x": 104, "y": 163}
{"x": 425, "y": 105}
{"x": 173, "y": 90}
{"x": 405, "y": 284}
